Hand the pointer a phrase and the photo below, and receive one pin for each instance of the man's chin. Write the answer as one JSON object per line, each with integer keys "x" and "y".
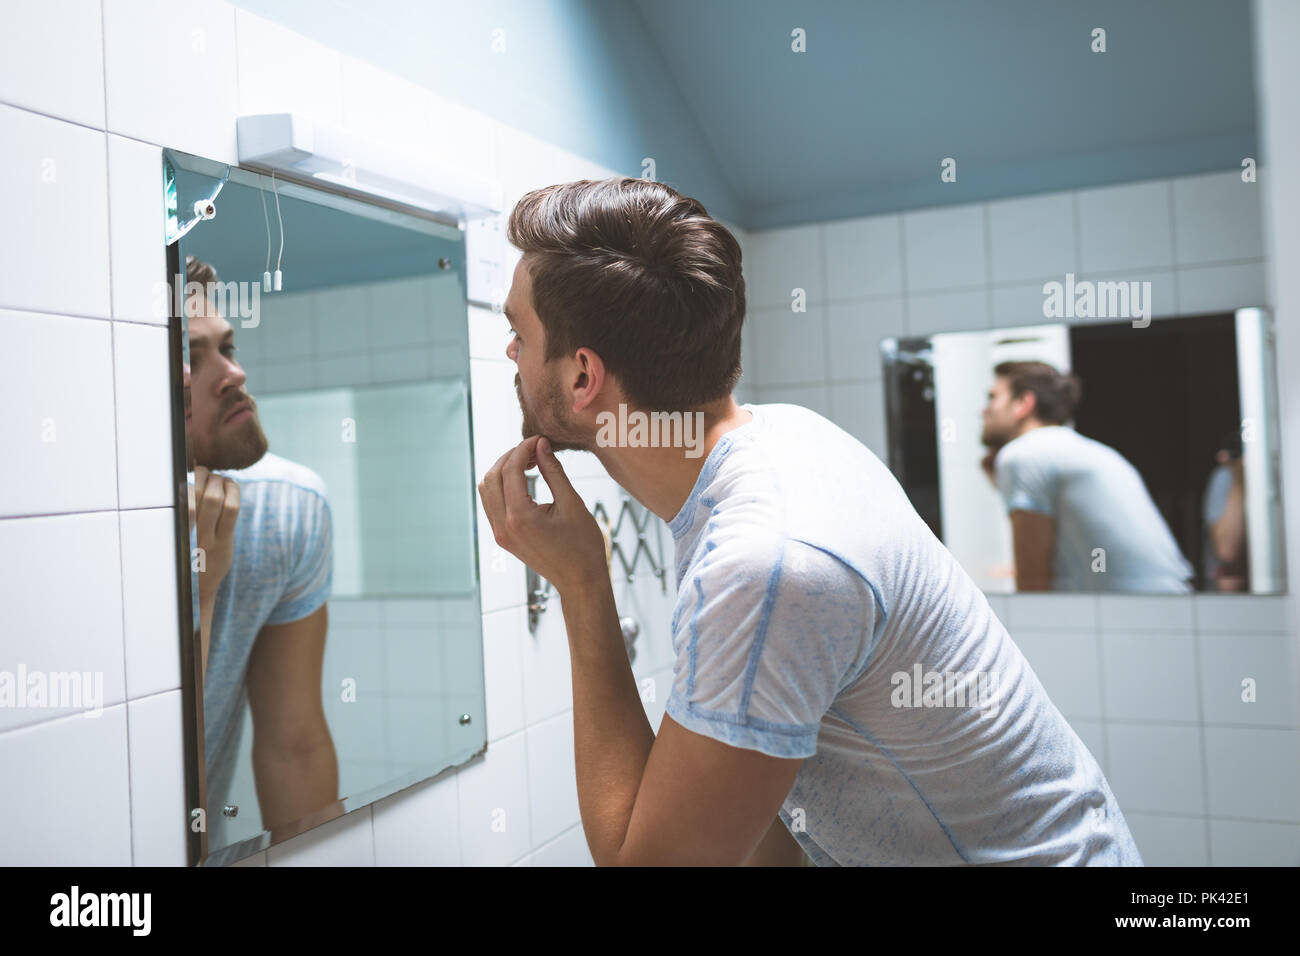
{"x": 237, "y": 453}
{"x": 528, "y": 431}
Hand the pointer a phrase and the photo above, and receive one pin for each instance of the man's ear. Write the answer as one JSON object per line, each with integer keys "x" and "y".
{"x": 588, "y": 378}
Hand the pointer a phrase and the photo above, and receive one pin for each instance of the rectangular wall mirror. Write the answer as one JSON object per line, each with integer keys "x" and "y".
{"x": 334, "y": 648}
{"x": 1145, "y": 459}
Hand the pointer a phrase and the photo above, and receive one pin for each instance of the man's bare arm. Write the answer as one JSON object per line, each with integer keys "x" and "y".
{"x": 779, "y": 848}
{"x": 1034, "y": 536}
{"x": 294, "y": 763}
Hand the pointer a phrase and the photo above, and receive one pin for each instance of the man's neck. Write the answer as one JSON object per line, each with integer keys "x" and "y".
{"x": 1028, "y": 425}
{"x": 661, "y": 478}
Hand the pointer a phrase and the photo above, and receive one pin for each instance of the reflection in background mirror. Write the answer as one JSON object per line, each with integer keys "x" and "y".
{"x": 343, "y": 653}
{"x": 1098, "y": 457}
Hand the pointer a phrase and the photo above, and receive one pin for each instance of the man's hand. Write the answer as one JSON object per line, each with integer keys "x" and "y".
{"x": 560, "y": 540}
{"x": 214, "y": 509}
{"x": 987, "y": 464}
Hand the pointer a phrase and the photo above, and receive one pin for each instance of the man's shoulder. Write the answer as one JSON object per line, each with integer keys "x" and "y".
{"x": 752, "y": 556}
{"x": 272, "y": 470}
{"x": 1039, "y": 443}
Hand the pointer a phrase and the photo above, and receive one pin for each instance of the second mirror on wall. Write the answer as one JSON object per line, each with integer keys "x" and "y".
{"x": 1097, "y": 457}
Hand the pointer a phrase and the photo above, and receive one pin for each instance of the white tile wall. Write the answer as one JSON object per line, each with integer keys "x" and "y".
{"x": 84, "y": 121}
{"x": 56, "y": 72}
{"x": 863, "y": 258}
{"x": 60, "y": 434}
{"x": 1032, "y": 238}
{"x": 73, "y": 807}
{"x": 56, "y": 180}
{"x": 1216, "y": 219}
{"x": 144, "y": 447}
{"x": 43, "y": 561}
{"x": 159, "y": 825}
{"x": 945, "y": 248}
{"x": 170, "y": 74}
{"x": 1152, "y": 685}
{"x": 137, "y": 230}
{"x": 149, "y": 614}
{"x": 1125, "y": 227}
{"x": 283, "y": 72}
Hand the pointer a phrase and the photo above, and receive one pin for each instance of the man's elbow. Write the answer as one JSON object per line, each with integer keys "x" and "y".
{"x": 294, "y": 747}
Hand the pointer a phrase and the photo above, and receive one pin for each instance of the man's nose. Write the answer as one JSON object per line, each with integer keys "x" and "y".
{"x": 235, "y": 377}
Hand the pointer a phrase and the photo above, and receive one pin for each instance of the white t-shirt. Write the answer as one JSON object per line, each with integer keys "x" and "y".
{"x": 1099, "y": 501}
{"x": 819, "y": 617}
{"x": 282, "y": 571}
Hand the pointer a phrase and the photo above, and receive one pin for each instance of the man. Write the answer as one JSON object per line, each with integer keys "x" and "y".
{"x": 265, "y": 531}
{"x": 1223, "y": 512}
{"x": 1081, "y": 516}
{"x": 809, "y": 591}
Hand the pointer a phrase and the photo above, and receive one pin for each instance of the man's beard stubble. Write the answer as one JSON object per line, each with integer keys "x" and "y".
{"x": 554, "y": 402}
{"x": 244, "y": 448}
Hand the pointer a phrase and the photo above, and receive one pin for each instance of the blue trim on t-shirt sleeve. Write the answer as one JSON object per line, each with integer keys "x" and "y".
{"x": 317, "y": 555}
{"x": 1021, "y": 500}
{"x": 1014, "y": 486}
{"x": 760, "y": 638}
{"x": 750, "y": 733}
{"x": 302, "y": 607}
{"x": 685, "y": 517}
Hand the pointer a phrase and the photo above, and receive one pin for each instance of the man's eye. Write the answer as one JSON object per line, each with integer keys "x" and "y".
{"x": 512, "y": 334}
{"x": 228, "y": 351}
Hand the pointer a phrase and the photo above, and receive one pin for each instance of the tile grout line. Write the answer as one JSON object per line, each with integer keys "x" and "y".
{"x": 902, "y": 269}
{"x": 1100, "y": 631}
{"x": 117, "y": 437}
{"x": 1173, "y": 251}
{"x": 1200, "y": 734}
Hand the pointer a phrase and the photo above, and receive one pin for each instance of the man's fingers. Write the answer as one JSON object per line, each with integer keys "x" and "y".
{"x": 201, "y": 476}
{"x": 519, "y": 504}
{"x": 553, "y": 473}
{"x": 229, "y": 510}
{"x": 490, "y": 493}
{"x": 214, "y": 496}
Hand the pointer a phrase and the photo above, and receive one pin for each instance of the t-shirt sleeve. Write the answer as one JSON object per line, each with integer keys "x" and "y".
{"x": 1216, "y": 494}
{"x": 1026, "y": 484}
{"x": 311, "y": 559}
{"x": 765, "y": 638}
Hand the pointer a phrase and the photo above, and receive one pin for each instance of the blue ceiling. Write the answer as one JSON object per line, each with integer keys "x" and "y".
{"x": 860, "y": 122}
{"x": 1011, "y": 89}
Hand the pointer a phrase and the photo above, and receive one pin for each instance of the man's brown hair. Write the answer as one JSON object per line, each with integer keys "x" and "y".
{"x": 644, "y": 277}
{"x": 196, "y": 270}
{"x": 1056, "y": 395}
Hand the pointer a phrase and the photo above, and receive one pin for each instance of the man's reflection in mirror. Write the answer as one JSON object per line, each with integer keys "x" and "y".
{"x": 263, "y": 526}
{"x": 1081, "y": 516}
{"x": 1224, "y": 514}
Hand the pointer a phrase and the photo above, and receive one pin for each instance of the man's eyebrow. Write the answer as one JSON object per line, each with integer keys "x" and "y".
{"x": 201, "y": 341}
